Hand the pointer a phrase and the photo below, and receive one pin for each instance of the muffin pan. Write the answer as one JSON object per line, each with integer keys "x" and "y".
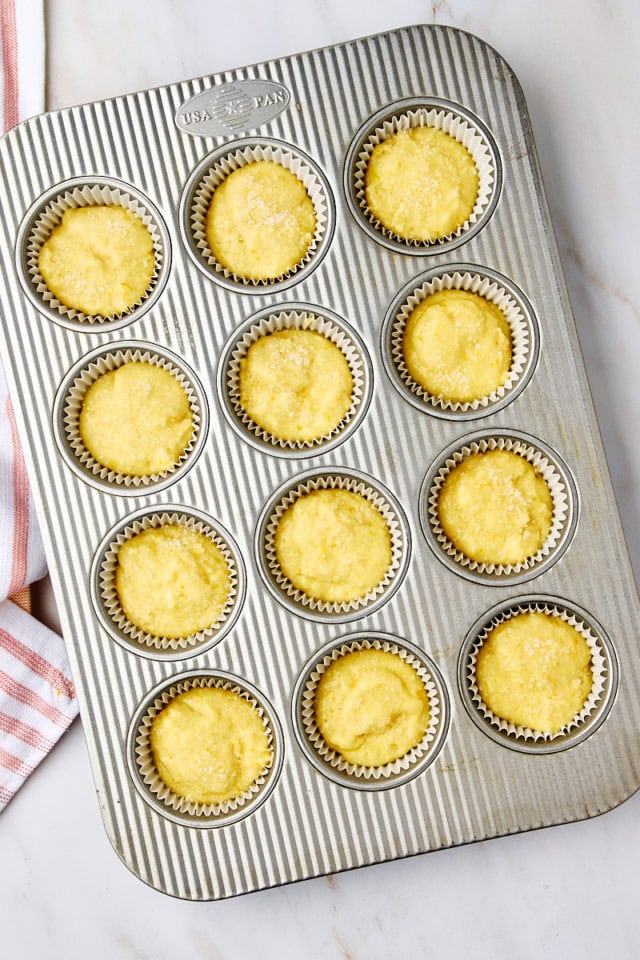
{"x": 158, "y": 150}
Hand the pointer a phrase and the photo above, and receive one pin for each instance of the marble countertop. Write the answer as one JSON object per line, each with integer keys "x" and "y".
{"x": 567, "y": 892}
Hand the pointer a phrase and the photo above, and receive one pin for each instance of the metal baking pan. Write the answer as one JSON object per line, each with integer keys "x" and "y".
{"x": 479, "y": 782}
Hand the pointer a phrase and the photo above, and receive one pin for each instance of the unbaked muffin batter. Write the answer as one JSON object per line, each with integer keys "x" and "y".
{"x": 210, "y": 745}
{"x": 334, "y": 545}
{"x": 172, "y": 581}
{"x": 136, "y": 419}
{"x": 495, "y": 508}
{"x": 457, "y": 345}
{"x": 99, "y": 260}
{"x": 421, "y": 183}
{"x": 295, "y": 384}
{"x": 371, "y": 707}
{"x": 535, "y": 671}
{"x": 261, "y": 221}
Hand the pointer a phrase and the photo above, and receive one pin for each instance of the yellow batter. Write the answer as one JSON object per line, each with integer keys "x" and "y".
{"x": 495, "y": 508}
{"x": 209, "y": 745}
{"x": 371, "y": 707}
{"x": 172, "y": 581}
{"x": 457, "y": 345}
{"x": 136, "y": 419}
{"x": 261, "y": 221}
{"x": 334, "y": 545}
{"x": 98, "y": 260}
{"x": 421, "y": 183}
{"x": 295, "y": 384}
{"x": 535, "y": 670}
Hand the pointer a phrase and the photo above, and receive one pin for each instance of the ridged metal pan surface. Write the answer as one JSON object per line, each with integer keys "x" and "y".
{"x": 476, "y": 787}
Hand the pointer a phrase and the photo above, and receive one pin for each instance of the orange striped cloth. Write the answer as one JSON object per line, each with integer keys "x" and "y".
{"x": 37, "y": 699}
{"x": 23, "y": 599}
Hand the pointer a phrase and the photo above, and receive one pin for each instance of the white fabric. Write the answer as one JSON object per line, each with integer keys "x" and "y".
{"x": 31, "y": 56}
{"x": 37, "y": 700}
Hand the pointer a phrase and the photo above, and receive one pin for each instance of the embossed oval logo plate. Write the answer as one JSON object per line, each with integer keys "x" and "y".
{"x": 232, "y": 108}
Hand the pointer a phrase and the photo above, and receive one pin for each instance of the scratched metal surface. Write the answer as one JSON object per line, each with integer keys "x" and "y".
{"x": 476, "y": 788}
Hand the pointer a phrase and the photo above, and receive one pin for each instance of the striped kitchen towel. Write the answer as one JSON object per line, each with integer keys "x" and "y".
{"x": 37, "y": 700}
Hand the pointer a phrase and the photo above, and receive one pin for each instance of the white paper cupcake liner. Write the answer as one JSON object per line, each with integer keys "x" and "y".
{"x": 330, "y": 481}
{"x": 74, "y": 398}
{"x": 458, "y": 127}
{"x": 220, "y": 169}
{"x": 88, "y": 194}
{"x": 146, "y": 767}
{"x": 296, "y": 320}
{"x": 491, "y": 290}
{"x": 110, "y": 601}
{"x": 599, "y": 669}
{"x": 549, "y": 471}
{"x": 333, "y": 759}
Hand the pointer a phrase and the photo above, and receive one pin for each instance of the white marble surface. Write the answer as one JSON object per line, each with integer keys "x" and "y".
{"x": 564, "y": 893}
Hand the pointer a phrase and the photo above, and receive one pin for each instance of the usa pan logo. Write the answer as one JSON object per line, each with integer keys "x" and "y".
{"x": 232, "y": 108}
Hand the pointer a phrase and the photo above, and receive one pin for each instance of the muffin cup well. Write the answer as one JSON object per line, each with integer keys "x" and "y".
{"x": 561, "y": 487}
{"x": 587, "y": 720}
{"x": 46, "y": 213}
{"x": 443, "y": 115}
{"x": 214, "y": 169}
{"x": 297, "y": 316}
{"x": 68, "y": 406}
{"x": 518, "y": 312}
{"x": 330, "y": 762}
{"x": 107, "y": 603}
{"x": 158, "y": 794}
{"x": 338, "y": 478}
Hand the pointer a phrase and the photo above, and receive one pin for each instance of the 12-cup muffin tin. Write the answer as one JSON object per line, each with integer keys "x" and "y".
{"x": 160, "y": 153}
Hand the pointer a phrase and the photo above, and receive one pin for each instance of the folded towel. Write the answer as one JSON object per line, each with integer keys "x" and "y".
{"x": 37, "y": 700}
